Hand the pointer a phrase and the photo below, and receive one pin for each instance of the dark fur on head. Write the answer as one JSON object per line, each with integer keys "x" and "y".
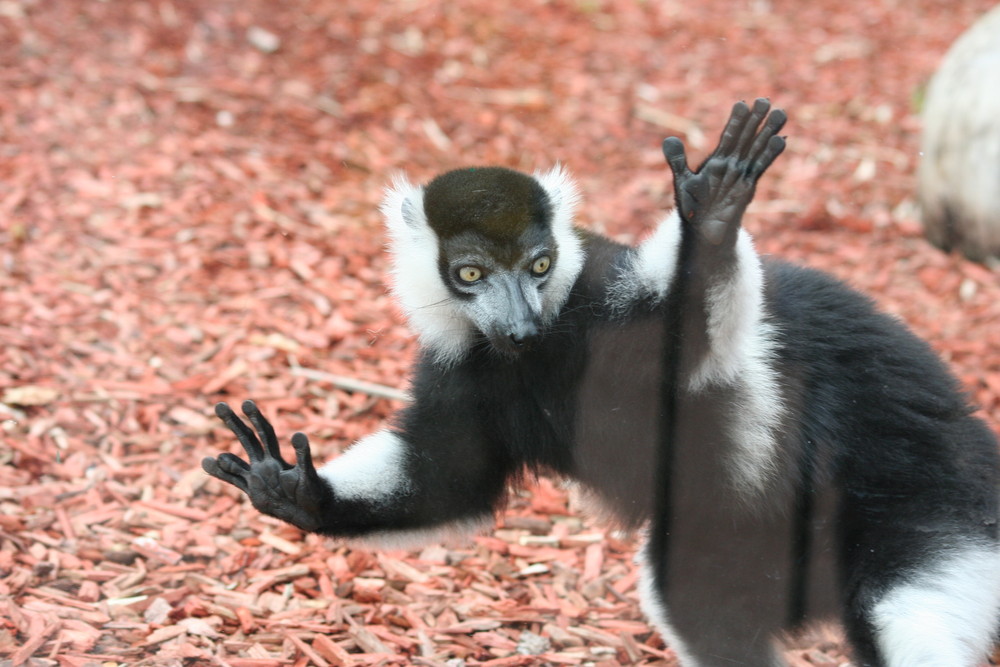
{"x": 499, "y": 203}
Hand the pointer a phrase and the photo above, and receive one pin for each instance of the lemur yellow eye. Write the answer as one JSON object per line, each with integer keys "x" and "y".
{"x": 541, "y": 265}
{"x": 469, "y": 274}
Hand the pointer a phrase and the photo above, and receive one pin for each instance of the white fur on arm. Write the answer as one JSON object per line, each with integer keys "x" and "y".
{"x": 372, "y": 469}
{"x": 735, "y": 308}
{"x": 742, "y": 354}
{"x": 650, "y": 270}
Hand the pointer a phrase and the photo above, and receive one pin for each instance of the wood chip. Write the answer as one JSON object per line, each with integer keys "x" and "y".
{"x": 189, "y": 214}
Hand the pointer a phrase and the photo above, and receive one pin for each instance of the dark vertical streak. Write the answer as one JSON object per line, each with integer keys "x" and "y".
{"x": 659, "y": 538}
{"x": 802, "y": 539}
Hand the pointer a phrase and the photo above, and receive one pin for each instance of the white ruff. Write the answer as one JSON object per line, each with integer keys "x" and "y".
{"x": 428, "y": 305}
{"x": 563, "y": 197}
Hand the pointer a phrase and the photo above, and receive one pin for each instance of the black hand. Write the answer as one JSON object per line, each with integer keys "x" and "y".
{"x": 713, "y": 199}
{"x": 292, "y": 493}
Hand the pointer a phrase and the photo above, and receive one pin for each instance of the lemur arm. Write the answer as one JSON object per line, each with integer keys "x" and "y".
{"x": 723, "y": 282}
{"x": 699, "y": 240}
{"x": 384, "y": 487}
{"x": 726, "y": 343}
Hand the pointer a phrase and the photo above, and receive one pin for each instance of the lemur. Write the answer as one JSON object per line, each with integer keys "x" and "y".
{"x": 788, "y": 451}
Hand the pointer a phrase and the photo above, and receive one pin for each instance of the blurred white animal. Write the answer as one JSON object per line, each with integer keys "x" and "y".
{"x": 959, "y": 174}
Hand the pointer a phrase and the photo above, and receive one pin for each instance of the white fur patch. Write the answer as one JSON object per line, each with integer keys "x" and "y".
{"x": 741, "y": 353}
{"x": 563, "y": 197}
{"x": 735, "y": 311}
{"x": 651, "y": 267}
{"x": 654, "y": 609}
{"x": 373, "y": 469}
{"x": 428, "y": 305}
{"x": 946, "y": 615}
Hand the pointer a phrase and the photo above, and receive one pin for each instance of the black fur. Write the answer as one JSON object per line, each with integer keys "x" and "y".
{"x": 499, "y": 203}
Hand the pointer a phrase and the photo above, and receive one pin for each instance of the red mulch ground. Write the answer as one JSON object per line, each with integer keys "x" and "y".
{"x": 188, "y": 197}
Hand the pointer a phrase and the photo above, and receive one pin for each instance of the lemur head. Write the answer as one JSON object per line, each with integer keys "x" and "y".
{"x": 483, "y": 251}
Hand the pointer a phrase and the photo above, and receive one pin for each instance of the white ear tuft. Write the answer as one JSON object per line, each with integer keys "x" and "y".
{"x": 425, "y": 300}
{"x": 403, "y": 206}
{"x": 563, "y": 197}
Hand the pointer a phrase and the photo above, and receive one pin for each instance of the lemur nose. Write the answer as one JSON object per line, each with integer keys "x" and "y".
{"x": 524, "y": 336}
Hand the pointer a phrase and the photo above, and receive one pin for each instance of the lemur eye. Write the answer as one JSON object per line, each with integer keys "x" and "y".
{"x": 469, "y": 274}
{"x": 541, "y": 265}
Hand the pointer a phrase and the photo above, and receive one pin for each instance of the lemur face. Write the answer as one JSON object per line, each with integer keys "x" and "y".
{"x": 495, "y": 250}
{"x": 483, "y": 254}
{"x": 500, "y": 287}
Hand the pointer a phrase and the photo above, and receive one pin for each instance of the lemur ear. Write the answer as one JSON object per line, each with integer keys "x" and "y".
{"x": 416, "y": 281}
{"x": 403, "y": 207}
{"x": 563, "y": 195}
{"x": 563, "y": 198}
{"x": 411, "y": 239}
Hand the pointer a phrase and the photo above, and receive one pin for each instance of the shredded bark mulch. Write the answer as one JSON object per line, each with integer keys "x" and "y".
{"x": 188, "y": 214}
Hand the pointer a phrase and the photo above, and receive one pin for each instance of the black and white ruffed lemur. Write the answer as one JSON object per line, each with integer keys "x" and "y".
{"x": 788, "y": 451}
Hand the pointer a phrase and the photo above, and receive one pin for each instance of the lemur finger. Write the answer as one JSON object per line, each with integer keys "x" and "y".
{"x": 775, "y": 121}
{"x": 775, "y": 145}
{"x": 222, "y": 468}
{"x": 760, "y": 108}
{"x": 241, "y": 431}
{"x": 673, "y": 151}
{"x": 303, "y": 455}
{"x": 749, "y": 129}
{"x": 265, "y": 431}
{"x": 232, "y": 463}
{"x": 727, "y": 173}
{"x": 734, "y": 129}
